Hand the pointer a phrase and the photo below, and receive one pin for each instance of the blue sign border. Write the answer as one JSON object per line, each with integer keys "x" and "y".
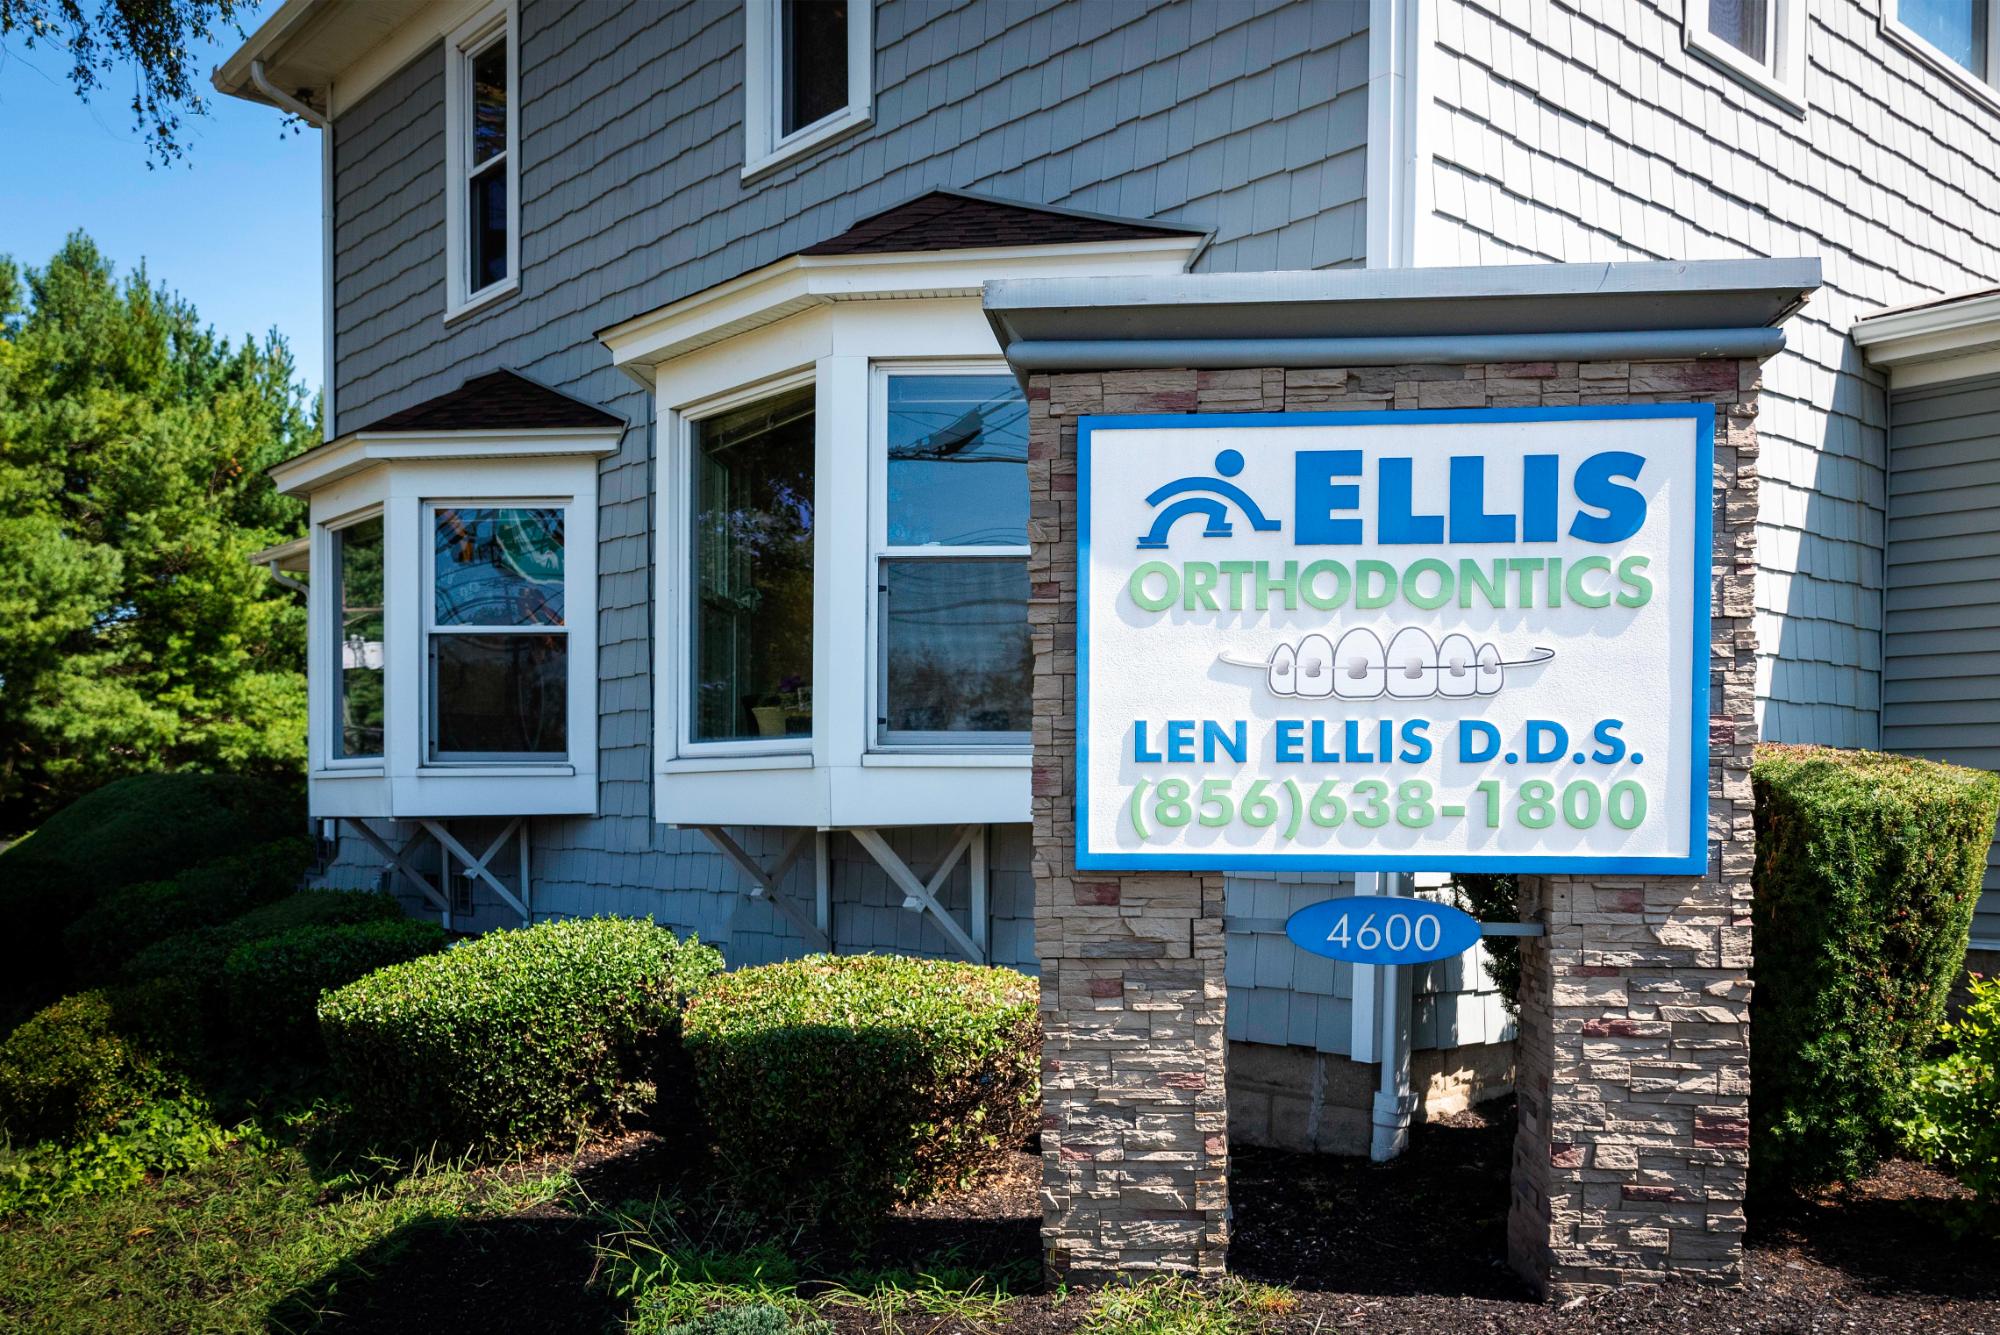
{"x": 1694, "y": 863}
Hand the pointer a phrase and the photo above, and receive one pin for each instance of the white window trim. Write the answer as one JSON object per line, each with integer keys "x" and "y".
{"x": 428, "y": 627}
{"x": 328, "y": 728}
{"x": 1782, "y": 78}
{"x": 677, "y": 582}
{"x": 764, "y": 148}
{"x": 499, "y": 21}
{"x": 1920, "y": 46}
{"x": 879, "y": 552}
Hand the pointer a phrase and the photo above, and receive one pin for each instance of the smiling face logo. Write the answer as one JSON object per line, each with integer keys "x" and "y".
{"x": 1213, "y": 508}
{"x": 1412, "y": 667}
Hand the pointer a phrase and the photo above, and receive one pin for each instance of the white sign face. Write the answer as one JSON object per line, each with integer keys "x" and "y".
{"x": 1442, "y": 641}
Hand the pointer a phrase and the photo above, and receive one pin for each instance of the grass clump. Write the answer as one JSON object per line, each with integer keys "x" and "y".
{"x": 839, "y": 1085}
{"x": 515, "y": 1040}
{"x": 1868, "y": 868}
{"x": 1177, "y": 1306}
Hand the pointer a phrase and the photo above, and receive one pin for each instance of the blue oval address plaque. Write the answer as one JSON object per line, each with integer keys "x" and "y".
{"x": 1380, "y": 929}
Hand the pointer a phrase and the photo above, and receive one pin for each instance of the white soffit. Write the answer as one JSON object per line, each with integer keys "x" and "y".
{"x": 1950, "y": 338}
{"x": 802, "y": 282}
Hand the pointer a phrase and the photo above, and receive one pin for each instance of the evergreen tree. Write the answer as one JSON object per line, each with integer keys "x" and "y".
{"x": 133, "y": 444}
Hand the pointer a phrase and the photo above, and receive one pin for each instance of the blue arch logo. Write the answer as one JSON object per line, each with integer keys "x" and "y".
{"x": 1213, "y": 507}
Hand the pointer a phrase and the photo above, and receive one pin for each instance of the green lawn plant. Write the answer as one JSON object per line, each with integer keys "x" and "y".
{"x": 517, "y": 1039}
{"x": 1868, "y": 868}
{"x": 1955, "y": 1115}
{"x": 839, "y": 1085}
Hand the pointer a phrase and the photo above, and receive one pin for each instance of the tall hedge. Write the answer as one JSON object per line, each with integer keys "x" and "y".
{"x": 1868, "y": 868}
{"x": 130, "y": 918}
{"x": 839, "y": 1085}
{"x": 144, "y": 828}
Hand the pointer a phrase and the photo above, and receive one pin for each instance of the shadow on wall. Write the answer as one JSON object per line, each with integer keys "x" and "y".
{"x": 1827, "y": 533}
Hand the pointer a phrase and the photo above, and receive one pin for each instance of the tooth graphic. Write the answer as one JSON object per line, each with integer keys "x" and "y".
{"x": 1316, "y": 677}
{"x": 1412, "y": 657}
{"x": 1491, "y": 675}
{"x": 1457, "y": 665}
{"x": 1360, "y": 667}
{"x": 1284, "y": 671}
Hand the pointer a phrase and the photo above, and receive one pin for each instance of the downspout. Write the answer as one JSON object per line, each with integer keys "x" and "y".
{"x": 1395, "y": 1104}
{"x": 286, "y": 581}
{"x": 324, "y": 124}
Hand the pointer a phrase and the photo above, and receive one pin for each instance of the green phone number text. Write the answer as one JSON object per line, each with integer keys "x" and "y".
{"x": 1292, "y": 805}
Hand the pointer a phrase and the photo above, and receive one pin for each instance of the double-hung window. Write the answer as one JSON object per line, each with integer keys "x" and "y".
{"x": 953, "y": 663}
{"x": 482, "y": 201}
{"x": 1958, "y": 36}
{"x": 1762, "y": 42}
{"x": 808, "y": 76}
{"x": 496, "y": 639}
{"x": 356, "y": 549}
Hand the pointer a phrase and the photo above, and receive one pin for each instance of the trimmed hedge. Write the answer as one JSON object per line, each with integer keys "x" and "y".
{"x": 517, "y": 1039}
{"x": 130, "y": 918}
{"x": 839, "y": 1085}
{"x": 1868, "y": 868}
{"x": 144, "y": 828}
{"x": 273, "y": 984}
{"x": 69, "y": 1072}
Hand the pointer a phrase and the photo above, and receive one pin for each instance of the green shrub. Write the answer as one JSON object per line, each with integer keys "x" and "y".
{"x": 176, "y": 985}
{"x": 273, "y": 984}
{"x": 838, "y": 1085}
{"x": 130, "y": 918}
{"x": 516, "y": 1039}
{"x": 1955, "y": 1115}
{"x": 69, "y": 1071}
{"x": 162, "y": 1135}
{"x": 1868, "y": 867}
{"x": 144, "y": 828}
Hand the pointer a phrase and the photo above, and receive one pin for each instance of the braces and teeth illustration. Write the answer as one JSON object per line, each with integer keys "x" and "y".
{"x": 1413, "y": 667}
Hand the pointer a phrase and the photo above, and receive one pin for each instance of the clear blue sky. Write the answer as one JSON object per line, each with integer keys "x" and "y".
{"x": 234, "y": 229}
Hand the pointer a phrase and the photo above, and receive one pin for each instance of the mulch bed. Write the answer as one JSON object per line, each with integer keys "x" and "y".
{"x": 1408, "y": 1248}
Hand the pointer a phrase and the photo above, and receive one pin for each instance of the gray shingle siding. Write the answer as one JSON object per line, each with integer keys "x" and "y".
{"x": 1941, "y": 645}
{"x": 1250, "y": 118}
{"x": 1584, "y": 131}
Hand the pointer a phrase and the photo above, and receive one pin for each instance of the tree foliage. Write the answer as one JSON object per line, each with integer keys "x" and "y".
{"x": 132, "y": 494}
{"x": 156, "y": 37}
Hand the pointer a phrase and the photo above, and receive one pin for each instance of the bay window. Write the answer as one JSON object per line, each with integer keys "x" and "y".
{"x": 953, "y": 662}
{"x": 497, "y": 644}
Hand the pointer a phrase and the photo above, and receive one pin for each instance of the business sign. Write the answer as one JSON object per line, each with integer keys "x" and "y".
{"x": 1451, "y": 641}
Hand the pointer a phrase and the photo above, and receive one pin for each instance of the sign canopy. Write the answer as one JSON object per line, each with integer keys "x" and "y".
{"x": 1469, "y": 640}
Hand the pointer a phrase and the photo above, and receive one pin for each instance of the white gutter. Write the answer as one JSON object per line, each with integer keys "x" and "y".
{"x": 324, "y": 123}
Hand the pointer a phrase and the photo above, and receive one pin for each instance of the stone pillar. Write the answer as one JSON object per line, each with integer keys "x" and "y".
{"x": 1134, "y": 1150}
{"x": 1634, "y": 1132}
{"x": 1634, "y": 1055}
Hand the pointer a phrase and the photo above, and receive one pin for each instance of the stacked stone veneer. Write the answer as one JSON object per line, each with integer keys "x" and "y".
{"x": 1634, "y": 1050}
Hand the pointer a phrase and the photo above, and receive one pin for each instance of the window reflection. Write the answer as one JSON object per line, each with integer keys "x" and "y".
{"x": 357, "y": 560}
{"x": 957, "y": 657}
{"x": 753, "y": 571}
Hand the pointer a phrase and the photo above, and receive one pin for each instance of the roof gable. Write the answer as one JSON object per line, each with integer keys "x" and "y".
{"x": 960, "y": 220}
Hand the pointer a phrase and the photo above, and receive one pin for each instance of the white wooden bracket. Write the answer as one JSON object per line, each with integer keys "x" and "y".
{"x": 480, "y": 866}
{"x": 399, "y": 858}
{"x": 764, "y": 881}
{"x": 923, "y": 895}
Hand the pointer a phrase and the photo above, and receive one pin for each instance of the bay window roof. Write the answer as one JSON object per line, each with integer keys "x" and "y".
{"x": 499, "y": 415}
